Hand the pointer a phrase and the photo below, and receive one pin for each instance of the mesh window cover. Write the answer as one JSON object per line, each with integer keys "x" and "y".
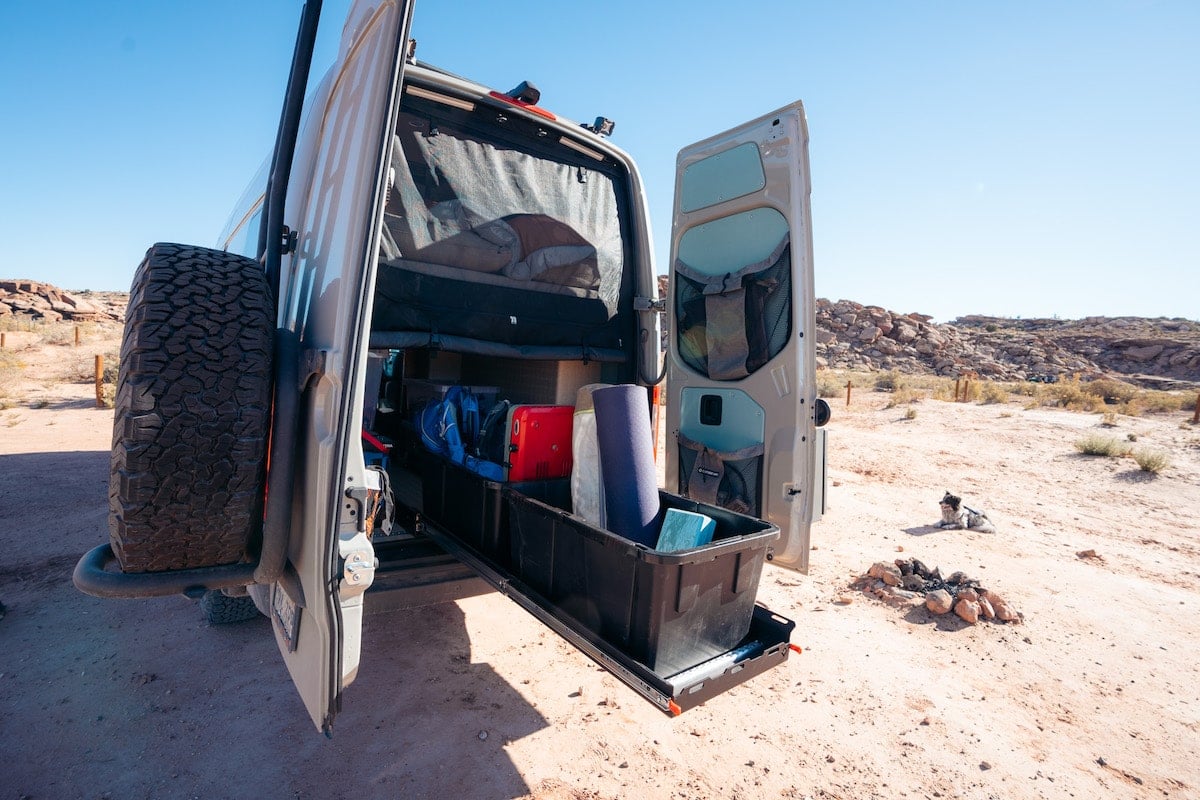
{"x": 725, "y": 479}
{"x": 729, "y": 326}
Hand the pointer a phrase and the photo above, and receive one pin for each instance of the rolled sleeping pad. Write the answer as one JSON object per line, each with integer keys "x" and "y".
{"x": 587, "y": 482}
{"x": 627, "y": 462}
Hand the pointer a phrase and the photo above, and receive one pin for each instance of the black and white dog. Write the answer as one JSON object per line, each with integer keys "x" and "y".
{"x": 958, "y": 517}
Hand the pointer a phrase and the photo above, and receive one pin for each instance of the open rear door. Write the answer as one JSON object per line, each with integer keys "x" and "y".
{"x": 741, "y": 392}
{"x": 316, "y": 608}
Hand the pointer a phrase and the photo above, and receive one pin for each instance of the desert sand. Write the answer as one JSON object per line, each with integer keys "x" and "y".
{"x": 1096, "y": 694}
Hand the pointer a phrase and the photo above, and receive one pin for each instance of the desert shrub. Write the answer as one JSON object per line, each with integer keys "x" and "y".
{"x": 971, "y": 391}
{"x": 1159, "y": 402}
{"x": 18, "y": 322}
{"x": 1095, "y": 445}
{"x": 828, "y": 385}
{"x": 1132, "y": 437}
{"x": 82, "y": 368}
{"x": 1111, "y": 391}
{"x": 108, "y": 395}
{"x": 904, "y": 396}
{"x": 1132, "y": 407}
{"x": 1151, "y": 460}
{"x": 992, "y": 393}
{"x": 911, "y": 413}
{"x": 59, "y": 335}
{"x": 1109, "y": 420}
{"x": 889, "y": 381}
{"x": 1065, "y": 394}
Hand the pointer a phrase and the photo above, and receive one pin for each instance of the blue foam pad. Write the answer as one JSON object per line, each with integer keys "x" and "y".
{"x": 683, "y": 530}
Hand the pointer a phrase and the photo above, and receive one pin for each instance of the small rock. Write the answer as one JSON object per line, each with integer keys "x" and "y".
{"x": 939, "y": 602}
{"x": 957, "y": 577}
{"x": 843, "y": 600}
{"x": 888, "y": 573}
{"x": 969, "y": 595}
{"x": 1087, "y": 554}
{"x": 913, "y": 583}
{"x": 967, "y": 610}
{"x": 1006, "y": 614}
{"x": 985, "y": 609}
{"x": 899, "y": 548}
{"x": 984, "y": 765}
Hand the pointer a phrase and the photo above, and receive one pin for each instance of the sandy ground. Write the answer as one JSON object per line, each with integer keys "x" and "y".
{"x": 1095, "y": 695}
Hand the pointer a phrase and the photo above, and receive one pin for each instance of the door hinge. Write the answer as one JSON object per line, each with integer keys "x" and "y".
{"x": 650, "y": 304}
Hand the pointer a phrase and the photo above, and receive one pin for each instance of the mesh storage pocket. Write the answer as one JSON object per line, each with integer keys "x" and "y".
{"x": 727, "y": 479}
{"x": 728, "y": 326}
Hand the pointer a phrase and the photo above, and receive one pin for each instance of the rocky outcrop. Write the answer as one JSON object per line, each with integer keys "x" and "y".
{"x": 1156, "y": 353}
{"x": 46, "y": 303}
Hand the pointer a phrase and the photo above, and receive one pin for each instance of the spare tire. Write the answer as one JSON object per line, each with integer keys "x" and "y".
{"x": 193, "y": 411}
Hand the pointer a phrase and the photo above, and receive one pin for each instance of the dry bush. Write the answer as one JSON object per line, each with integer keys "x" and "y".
{"x": 1160, "y": 402}
{"x": 18, "y": 322}
{"x": 889, "y": 381}
{"x": 1109, "y": 420}
{"x": 1111, "y": 391}
{"x": 828, "y": 385}
{"x": 1132, "y": 407}
{"x": 905, "y": 395}
{"x": 1096, "y": 445}
{"x": 911, "y": 413}
{"x": 992, "y": 393}
{"x": 1151, "y": 460}
{"x": 1065, "y": 394}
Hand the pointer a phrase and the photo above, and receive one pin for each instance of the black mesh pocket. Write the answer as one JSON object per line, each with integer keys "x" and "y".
{"x": 729, "y": 326}
{"x": 725, "y": 479}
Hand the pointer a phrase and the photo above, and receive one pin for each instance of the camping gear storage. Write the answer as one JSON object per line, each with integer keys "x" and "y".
{"x": 669, "y": 611}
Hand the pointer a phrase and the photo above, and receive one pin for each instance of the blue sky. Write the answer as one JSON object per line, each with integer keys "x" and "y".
{"x": 1010, "y": 158}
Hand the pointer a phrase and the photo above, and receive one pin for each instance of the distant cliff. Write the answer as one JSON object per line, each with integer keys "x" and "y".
{"x": 1154, "y": 353}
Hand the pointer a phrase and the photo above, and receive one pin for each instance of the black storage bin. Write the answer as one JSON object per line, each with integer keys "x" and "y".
{"x": 469, "y": 507}
{"x": 465, "y": 504}
{"x": 668, "y": 610}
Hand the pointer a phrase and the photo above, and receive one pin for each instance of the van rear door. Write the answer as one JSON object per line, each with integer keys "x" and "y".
{"x": 337, "y": 188}
{"x": 741, "y": 392}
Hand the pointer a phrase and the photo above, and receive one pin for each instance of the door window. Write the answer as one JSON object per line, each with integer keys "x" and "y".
{"x": 733, "y": 293}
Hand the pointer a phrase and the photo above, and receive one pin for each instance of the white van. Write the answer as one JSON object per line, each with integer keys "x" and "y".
{"x": 418, "y": 237}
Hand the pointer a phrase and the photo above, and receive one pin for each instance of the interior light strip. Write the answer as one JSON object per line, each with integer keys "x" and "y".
{"x": 444, "y": 99}
{"x": 578, "y": 148}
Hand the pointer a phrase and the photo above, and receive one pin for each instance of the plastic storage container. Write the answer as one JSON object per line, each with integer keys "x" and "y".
{"x": 668, "y": 611}
{"x": 470, "y": 508}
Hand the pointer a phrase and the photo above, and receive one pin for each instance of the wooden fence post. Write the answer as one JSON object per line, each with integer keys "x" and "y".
{"x": 1196, "y": 414}
{"x": 77, "y": 336}
{"x": 2, "y": 337}
{"x": 847, "y": 393}
{"x": 957, "y": 388}
{"x": 99, "y": 381}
